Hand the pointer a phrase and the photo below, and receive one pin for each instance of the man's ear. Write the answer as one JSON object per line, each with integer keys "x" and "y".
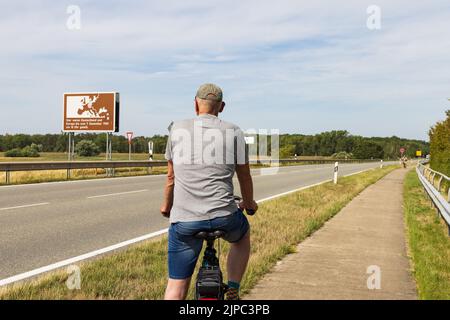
{"x": 196, "y": 106}
{"x": 222, "y": 106}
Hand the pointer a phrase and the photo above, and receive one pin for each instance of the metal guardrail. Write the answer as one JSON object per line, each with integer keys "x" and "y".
{"x": 9, "y": 167}
{"x": 433, "y": 184}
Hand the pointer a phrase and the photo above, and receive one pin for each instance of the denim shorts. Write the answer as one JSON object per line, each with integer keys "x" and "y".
{"x": 184, "y": 248}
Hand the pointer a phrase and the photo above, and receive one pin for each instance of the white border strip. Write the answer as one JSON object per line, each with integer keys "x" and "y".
{"x": 117, "y": 194}
{"x": 292, "y": 191}
{"x": 25, "y": 206}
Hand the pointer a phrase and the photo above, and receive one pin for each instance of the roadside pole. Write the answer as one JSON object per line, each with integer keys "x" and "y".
{"x": 109, "y": 172}
{"x": 130, "y": 138}
{"x": 381, "y": 164}
{"x": 150, "y": 155}
{"x": 71, "y": 151}
{"x": 336, "y": 172}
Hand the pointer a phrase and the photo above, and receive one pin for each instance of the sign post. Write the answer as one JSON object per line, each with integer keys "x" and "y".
{"x": 130, "y": 138}
{"x": 71, "y": 151}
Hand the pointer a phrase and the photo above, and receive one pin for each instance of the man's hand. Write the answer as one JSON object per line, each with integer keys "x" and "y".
{"x": 250, "y": 207}
{"x": 246, "y": 184}
{"x": 165, "y": 210}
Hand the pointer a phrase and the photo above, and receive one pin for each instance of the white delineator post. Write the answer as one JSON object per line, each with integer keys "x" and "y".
{"x": 381, "y": 164}
{"x": 336, "y": 171}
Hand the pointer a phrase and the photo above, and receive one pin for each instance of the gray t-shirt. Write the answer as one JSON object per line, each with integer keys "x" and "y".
{"x": 204, "y": 151}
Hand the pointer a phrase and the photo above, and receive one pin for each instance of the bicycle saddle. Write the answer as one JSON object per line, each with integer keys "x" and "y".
{"x": 210, "y": 235}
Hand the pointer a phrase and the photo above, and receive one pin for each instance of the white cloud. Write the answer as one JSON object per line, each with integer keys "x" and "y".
{"x": 293, "y": 65}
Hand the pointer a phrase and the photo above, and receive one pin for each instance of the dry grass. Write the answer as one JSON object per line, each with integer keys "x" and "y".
{"x": 24, "y": 177}
{"x": 140, "y": 272}
{"x": 61, "y": 156}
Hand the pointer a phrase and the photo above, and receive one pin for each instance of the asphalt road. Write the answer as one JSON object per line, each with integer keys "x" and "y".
{"x": 45, "y": 223}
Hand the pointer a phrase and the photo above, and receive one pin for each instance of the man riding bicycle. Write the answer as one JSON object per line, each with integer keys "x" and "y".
{"x": 203, "y": 154}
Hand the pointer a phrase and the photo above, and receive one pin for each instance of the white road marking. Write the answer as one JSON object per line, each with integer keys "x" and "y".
{"x": 292, "y": 191}
{"x": 25, "y": 206}
{"x": 352, "y": 174}
{"x": 70, "y": 261}
{"x": 117, "y": 194}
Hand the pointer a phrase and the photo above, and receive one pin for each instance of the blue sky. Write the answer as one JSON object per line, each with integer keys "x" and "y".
{"x": 297, "y": 66}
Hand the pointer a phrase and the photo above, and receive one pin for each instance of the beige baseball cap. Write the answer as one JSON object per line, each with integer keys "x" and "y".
{"x": 209, "y": 91}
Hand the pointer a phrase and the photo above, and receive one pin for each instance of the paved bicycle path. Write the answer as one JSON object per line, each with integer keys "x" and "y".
{"x": 333, "y": 263}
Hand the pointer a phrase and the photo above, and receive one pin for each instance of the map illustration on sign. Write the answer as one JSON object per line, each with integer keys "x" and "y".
{"x": 91, "y": 112}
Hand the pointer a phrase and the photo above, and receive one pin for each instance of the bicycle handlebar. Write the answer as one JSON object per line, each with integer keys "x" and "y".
{"x": 250, "y": 212}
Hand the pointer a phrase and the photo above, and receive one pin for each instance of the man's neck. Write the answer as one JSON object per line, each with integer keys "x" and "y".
{"x": 209, "y": 113}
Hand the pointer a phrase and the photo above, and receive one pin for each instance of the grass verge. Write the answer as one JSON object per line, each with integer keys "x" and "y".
{"x": 429, "y": 243}
{"x": 140, "y": 272}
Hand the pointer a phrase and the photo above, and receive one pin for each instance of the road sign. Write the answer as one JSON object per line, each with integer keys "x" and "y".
{"x": 129, "y": 136}
{"x": 419, "y": 153}
{"x": 91, "y": 112}
{"x": 402, "y": 150}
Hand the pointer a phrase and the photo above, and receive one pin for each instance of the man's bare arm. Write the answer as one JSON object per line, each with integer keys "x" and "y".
{"x": 246, "y": 184}
{"x": 167, "y": 204}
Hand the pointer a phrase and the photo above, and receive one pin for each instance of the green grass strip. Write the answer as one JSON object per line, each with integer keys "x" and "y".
{"x": 429, "y": 243}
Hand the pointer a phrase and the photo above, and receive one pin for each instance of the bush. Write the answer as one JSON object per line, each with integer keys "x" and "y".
{"x": 440, "y": 146}
{"x": 87, "y": 148}
{"x": 29, "y": 151}
{"x": 14, "y": 153}
{"x": 287, "y": 151}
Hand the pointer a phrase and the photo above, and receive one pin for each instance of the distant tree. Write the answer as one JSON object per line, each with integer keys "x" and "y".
{"x": 368, "y": 150}
{"x": 440, "y": 146}
{"x": 287, "y": 151}
{"x": 87, "y": 148}
{"x": 322, "y": 144}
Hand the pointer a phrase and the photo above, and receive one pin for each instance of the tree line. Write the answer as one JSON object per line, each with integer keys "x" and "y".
{"x": 343, "y": 143}
{"x": 59, "y": 142}
{"x": 440, "y": 146}
{"x": 330, "y": 143}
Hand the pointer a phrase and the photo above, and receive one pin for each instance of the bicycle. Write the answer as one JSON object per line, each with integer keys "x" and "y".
{"x": 209, "y": 284}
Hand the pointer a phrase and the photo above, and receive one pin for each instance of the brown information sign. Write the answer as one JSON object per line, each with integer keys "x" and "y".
{"x": 91, "y": 112}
